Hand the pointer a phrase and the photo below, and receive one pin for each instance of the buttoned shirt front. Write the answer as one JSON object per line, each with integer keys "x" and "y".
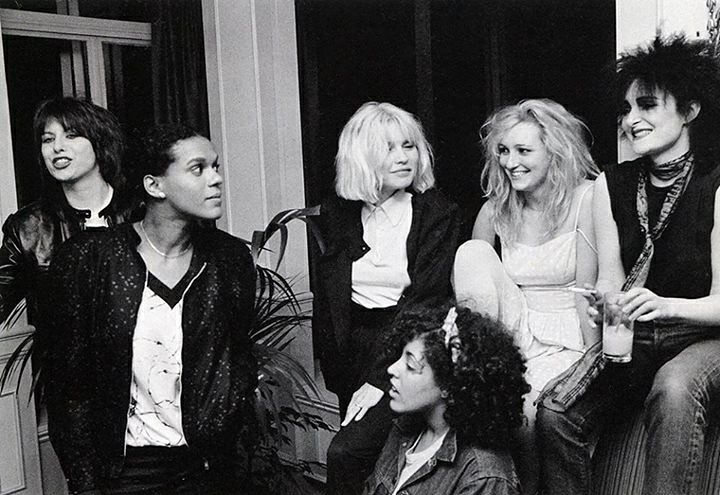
{"x": 381, "y": 275}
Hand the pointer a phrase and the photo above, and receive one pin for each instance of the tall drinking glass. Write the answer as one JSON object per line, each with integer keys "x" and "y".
{"x": 617, "y": 330}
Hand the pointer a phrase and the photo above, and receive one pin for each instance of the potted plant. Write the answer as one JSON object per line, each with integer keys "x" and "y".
{"x": 278, "y": 316}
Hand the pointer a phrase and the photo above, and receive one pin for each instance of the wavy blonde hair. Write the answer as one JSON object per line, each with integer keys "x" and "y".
{"x": 561, "y": 133}
{"x": 363, "y": 146}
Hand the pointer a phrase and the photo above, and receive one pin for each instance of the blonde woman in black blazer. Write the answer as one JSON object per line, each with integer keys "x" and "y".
{"x": 390, "y": 243}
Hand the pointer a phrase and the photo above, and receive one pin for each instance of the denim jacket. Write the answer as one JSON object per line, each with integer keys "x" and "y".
{"x": 456, "y": 468}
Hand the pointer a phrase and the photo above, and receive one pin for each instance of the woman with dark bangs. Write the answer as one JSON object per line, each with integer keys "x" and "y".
{"x": 458, "y": 385}
{"x": 80, "y": 147}
{"x": 657, "y": 223}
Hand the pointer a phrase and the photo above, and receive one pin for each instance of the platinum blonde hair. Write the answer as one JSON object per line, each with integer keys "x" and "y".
{"x": 363, "y": 146}
{"x": 561, "y": 134}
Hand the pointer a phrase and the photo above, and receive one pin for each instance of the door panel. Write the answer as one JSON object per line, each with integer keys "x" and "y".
{"x": 19, "y": 457}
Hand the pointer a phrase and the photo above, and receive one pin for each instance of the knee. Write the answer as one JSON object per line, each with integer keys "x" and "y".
{"x": 551, "y": 426}
{"x": 475, "y": 265}
{"x": 340, "y": 450}
{"x": 672, "y": 390}
{"x": 474, "y": 252}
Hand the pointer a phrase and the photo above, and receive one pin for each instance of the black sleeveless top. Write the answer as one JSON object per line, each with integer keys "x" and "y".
{"x": 681, "y": 264}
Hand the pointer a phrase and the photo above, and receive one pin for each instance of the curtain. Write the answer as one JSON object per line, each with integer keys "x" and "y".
{"x": 178, "y": 64}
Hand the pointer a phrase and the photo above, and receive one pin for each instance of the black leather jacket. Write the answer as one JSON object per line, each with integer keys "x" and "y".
{"x": 30, "y": 238}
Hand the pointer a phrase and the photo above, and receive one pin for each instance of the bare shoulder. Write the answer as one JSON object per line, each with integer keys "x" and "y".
{"x": 487, "y": 210}
{"x": 584, "y": 191}
{"x": 483, "y": 227}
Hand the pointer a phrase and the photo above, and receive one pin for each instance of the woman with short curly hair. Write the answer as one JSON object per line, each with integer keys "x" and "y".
{"x": 458, "y": 385}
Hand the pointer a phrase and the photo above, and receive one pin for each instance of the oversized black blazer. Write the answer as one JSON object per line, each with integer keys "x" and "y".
{"x": 431, "y": 246}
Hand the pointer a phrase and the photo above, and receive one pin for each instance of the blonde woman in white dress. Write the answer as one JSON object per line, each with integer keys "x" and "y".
{"x": 537, "y": 181}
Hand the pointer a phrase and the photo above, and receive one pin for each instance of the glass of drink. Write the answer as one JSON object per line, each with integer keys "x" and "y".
{"x": 617, "y": 330}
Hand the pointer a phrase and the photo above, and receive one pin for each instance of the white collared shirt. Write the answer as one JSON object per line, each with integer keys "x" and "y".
{"x": 380, "y": 277}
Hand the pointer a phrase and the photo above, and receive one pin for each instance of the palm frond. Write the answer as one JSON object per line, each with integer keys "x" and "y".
{"x": 15, "y": 314}
{"x": 279, "y": 224}
{"x": 22, "y": 354}
{"x": 18, "y": 360}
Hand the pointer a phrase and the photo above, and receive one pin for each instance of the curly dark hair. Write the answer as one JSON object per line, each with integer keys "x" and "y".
{"x": 690, "y": 72}
{"x": 94, "y": 123}
{"x": 485, "y": 387}
{"x": 153, "y": 153}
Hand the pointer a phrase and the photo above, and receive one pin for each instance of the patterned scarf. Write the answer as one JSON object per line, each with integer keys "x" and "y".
{"x": 682, "y": 168}
{"x": 565, "y": 389}
{"x": 670, "y": 170}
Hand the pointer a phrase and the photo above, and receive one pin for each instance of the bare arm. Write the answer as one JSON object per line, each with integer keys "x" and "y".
{"x": 610, "y": 272}
{"x": 610, "y": 269}
{"x": 483, "y": 228}
{"x": 587, "y": 265}
{"x": 644, "y": 305}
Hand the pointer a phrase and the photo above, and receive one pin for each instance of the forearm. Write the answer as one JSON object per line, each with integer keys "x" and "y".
{"x": 608, "y": 284}
{"x": 704, "y": 311}
{"x": 590, "y": 333}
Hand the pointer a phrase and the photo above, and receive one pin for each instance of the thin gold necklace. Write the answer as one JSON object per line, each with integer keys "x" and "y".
{"x": 154, "y": 248}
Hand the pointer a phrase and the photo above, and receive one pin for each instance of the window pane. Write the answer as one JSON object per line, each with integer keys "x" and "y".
{"x": 49, "y": 6}
{"x": 122, "y": 10}
{"x": 34, "y": 69}
{"x": 128, "y": 78}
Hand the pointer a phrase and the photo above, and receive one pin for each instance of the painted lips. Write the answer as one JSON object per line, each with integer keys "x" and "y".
{"x": 640, "y": 133}
{"x": 61, "y": 162}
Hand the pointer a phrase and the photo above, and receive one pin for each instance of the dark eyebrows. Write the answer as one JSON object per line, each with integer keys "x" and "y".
{"x": 201, "y": 160}
{"x": 646, "y": 99}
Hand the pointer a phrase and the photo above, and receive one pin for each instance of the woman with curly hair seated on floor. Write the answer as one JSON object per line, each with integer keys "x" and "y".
{"x": 458, "y": 387}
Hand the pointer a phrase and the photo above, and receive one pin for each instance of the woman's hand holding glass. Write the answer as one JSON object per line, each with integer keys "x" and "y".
{"x": 638, "y": 303}
{"x": 642, "y": 304}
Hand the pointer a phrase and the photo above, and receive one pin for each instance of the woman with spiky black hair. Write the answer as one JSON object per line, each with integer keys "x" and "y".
{"x": 657, "y": 223}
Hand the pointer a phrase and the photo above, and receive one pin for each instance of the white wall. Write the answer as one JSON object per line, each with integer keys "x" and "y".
{"x": 637, "y": 21}
{"x": 254, "y": 104}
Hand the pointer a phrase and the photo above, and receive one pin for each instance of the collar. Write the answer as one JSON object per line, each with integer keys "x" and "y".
{"x": 394, "y": 208}
{"x": 65, "y": 209}
{"x": 410, "y": 427}
{"x": 671, "y": 169}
